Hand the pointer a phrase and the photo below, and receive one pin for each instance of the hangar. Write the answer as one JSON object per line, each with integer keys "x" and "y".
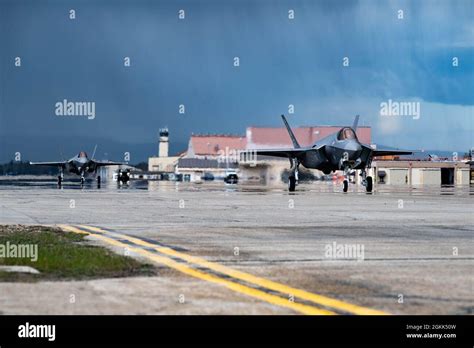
{"x": 422, "y": 172}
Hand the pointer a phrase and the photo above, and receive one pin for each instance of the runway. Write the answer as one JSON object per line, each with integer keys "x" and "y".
{"x": 249, "y": 250}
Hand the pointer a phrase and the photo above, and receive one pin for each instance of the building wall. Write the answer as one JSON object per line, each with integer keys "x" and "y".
{"x": 462, "y": 176}
{"x": 416, "y": 176}
{"x": 422, "y": 172}
{"x": 162, "y": 164}
{"x": 397, "y": 176}
{"x": 196, "y": 174}
{"x": 163, "y": 147}
{"x": 431, "y": 176}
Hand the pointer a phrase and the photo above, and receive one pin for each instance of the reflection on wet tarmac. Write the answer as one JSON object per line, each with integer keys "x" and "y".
{"x": 302, "y": 188}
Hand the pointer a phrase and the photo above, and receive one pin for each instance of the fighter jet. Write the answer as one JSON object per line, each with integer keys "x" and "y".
{"x": 80, "y": 165}
{"x": 338, "y": 151}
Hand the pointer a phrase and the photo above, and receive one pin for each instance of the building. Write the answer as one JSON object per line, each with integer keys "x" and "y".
{"x": 215, "y": 146}
{"x": 421, "y": 172}
{"x": 471, "y": 170}
{"x": 198, "y": 169}
{"x": 163, "y": 162}
{"x": 210, "y": 157}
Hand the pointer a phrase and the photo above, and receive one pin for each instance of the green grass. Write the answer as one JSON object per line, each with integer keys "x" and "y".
{"x": 65, "y": 256}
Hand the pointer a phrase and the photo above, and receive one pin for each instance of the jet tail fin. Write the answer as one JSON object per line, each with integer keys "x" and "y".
{"x": 290, "y": 132}
{"x": 356, "y": 122}
{"x": 93, "y": 154}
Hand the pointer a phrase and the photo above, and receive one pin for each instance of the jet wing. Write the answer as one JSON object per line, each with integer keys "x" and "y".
{"x": 287, "y": 153}
{"x": 388, "y": 152}
{"x": 108, "y": 163}
{"x": 55, "y": 164}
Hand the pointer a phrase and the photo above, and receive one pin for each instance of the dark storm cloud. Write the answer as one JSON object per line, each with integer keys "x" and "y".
{"x": 190, "y": 61}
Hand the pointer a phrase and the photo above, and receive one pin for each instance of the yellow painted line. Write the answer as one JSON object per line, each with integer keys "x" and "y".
{"x": 272, "y": 299}
{"x": 297, "y": 293}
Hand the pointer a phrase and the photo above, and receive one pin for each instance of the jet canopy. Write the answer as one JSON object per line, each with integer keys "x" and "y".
{"x": 82, "y": 154}
{"x": 346, "y": 134}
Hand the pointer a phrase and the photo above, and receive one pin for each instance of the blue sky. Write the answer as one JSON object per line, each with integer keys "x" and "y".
{"x": 190, "y": 62}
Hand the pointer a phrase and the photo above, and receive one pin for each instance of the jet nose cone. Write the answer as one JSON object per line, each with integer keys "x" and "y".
{"x": 353, "y": 146}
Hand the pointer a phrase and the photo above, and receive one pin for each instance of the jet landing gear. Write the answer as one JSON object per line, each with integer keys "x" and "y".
{"x": 291, "y": 183}
{"x": 293, "y": 178}
{"x": 98, "y": 181}
{"x": 367, "y": 181}
{"x": 60, "y": 177}
{"x": 345, "y": 183}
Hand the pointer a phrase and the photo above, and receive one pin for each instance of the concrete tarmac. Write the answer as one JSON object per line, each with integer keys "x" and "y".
{"x": 399, "y": 250}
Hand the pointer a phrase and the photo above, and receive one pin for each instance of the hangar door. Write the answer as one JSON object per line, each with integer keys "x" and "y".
{"x": 447, "y": 176}
{"x": 398, "y": 176}
{"x": 431, "y": 177}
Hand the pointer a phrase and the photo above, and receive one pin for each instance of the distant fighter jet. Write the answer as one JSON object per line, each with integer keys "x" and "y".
{"x": 80, "y": 165}
{"x": 338, "y": 151}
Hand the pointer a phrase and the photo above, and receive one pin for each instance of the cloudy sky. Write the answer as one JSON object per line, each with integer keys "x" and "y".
{"x": 190, "y": 61}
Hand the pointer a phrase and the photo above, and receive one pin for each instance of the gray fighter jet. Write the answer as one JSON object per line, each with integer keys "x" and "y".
{"x": 338, "y": 151}
{"x": 80, "y": 165}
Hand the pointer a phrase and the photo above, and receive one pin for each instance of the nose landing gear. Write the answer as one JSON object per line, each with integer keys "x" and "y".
{"x": 367, "y": 181}
{"x": 345, "y": 183}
